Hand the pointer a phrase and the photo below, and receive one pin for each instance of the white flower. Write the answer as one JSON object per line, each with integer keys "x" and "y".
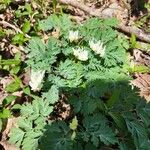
{"x": 36, "y": 79}
{"x": 80, "y": 54}
{"x": 97, "y": 47}
{"x": 73, "y": 35}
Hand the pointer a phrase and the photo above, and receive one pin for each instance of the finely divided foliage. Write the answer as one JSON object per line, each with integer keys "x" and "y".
{"x": 86, "y": 64}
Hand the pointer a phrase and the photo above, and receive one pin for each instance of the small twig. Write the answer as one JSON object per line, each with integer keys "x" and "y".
{"x": 129, "y": 30}
{"x": 7, "y": 24}
{"x": 81, "y": 6}
{"x": 11, "y": 26}
{"x": 136, "y": 31}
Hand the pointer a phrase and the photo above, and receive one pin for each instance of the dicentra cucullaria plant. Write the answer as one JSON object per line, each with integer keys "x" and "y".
{"x": 86, "y": 64}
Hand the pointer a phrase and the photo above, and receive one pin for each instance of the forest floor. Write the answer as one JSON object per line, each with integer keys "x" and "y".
{"x": 18, "y": 22}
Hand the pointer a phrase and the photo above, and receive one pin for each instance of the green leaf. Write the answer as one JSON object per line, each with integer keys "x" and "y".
{"x": 10, "y": 62}
{"x": 6, "y": 67}
{"x": 126, "y": 146}
{"x": 143, "y": 110}
{"x": 5, "y": 113}
{"x": 56, "y": 137}
{"x": 114, "y": 98}
{"x": 40, "y": 55}
{"x": 133, "y": 41}
{"x": 9, "y": 99}
{"x": 27, "y": 90}
{"x": 19, "y": 39}
{"x": 15, "y": 70}
{"x": 16, "y": 106}
{"x": 139, "y": 133}
{"x": 26, "y": 27}
{"x": 52, "y": 95}
{"x": 28, "y": 8}
{"x": 118, "y": 119}
{"x": 106, "y": 135}
{"x": 17, "y": 136}
{"x": 25, "y": 124}
{"x": 30, "y": 143}
{"x": 96, "y": 126}
{"x": 2, "y": 33}
{"x": 18, "y": 13}
{"x": 13, "y": 86}
{"x": 139, "y": 69}
{"x": 63, "y": 22}
{"x": 6, "y": 2}
{"x": 90, "y": 146}
{"x": 18, "y": 56}
{"x": 45, "y": 108}
{"x": 49, "y": 23}
{"x": 95, "y": 140}
{"x": 27, "y": 110}
{"x": 113, "y": 22}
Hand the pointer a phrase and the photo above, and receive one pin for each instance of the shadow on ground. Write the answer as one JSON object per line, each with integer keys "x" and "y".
{"x": 110, "y": 115}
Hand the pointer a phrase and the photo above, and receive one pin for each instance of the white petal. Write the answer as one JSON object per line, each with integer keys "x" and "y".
{"x": 80, "y": 54}
{"x": 73, "y": 35}
{"x": 97, "y": 47}
{"x": 36, "y": 79}
{"x": 83, "y": 56}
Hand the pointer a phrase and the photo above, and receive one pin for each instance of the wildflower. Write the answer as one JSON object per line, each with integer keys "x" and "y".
{"x": 97, "y": 47}
{"x": 73, "y": 35}
{"x": 36, "y": 79}
{"x": 80, "y": 54}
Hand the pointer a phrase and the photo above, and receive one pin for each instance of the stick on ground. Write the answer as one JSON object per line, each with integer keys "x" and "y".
{"x": 127, "y": 29}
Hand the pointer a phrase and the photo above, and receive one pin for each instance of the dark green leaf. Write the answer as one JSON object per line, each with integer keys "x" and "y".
{"x": 9, "y": 99}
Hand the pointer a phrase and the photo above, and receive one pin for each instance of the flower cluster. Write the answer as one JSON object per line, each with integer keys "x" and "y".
{"x": 80, "y": 54}
{"x": 73, "y": 36}
{"x": 97, "y": 47}
{"x": 36, "y": 79}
